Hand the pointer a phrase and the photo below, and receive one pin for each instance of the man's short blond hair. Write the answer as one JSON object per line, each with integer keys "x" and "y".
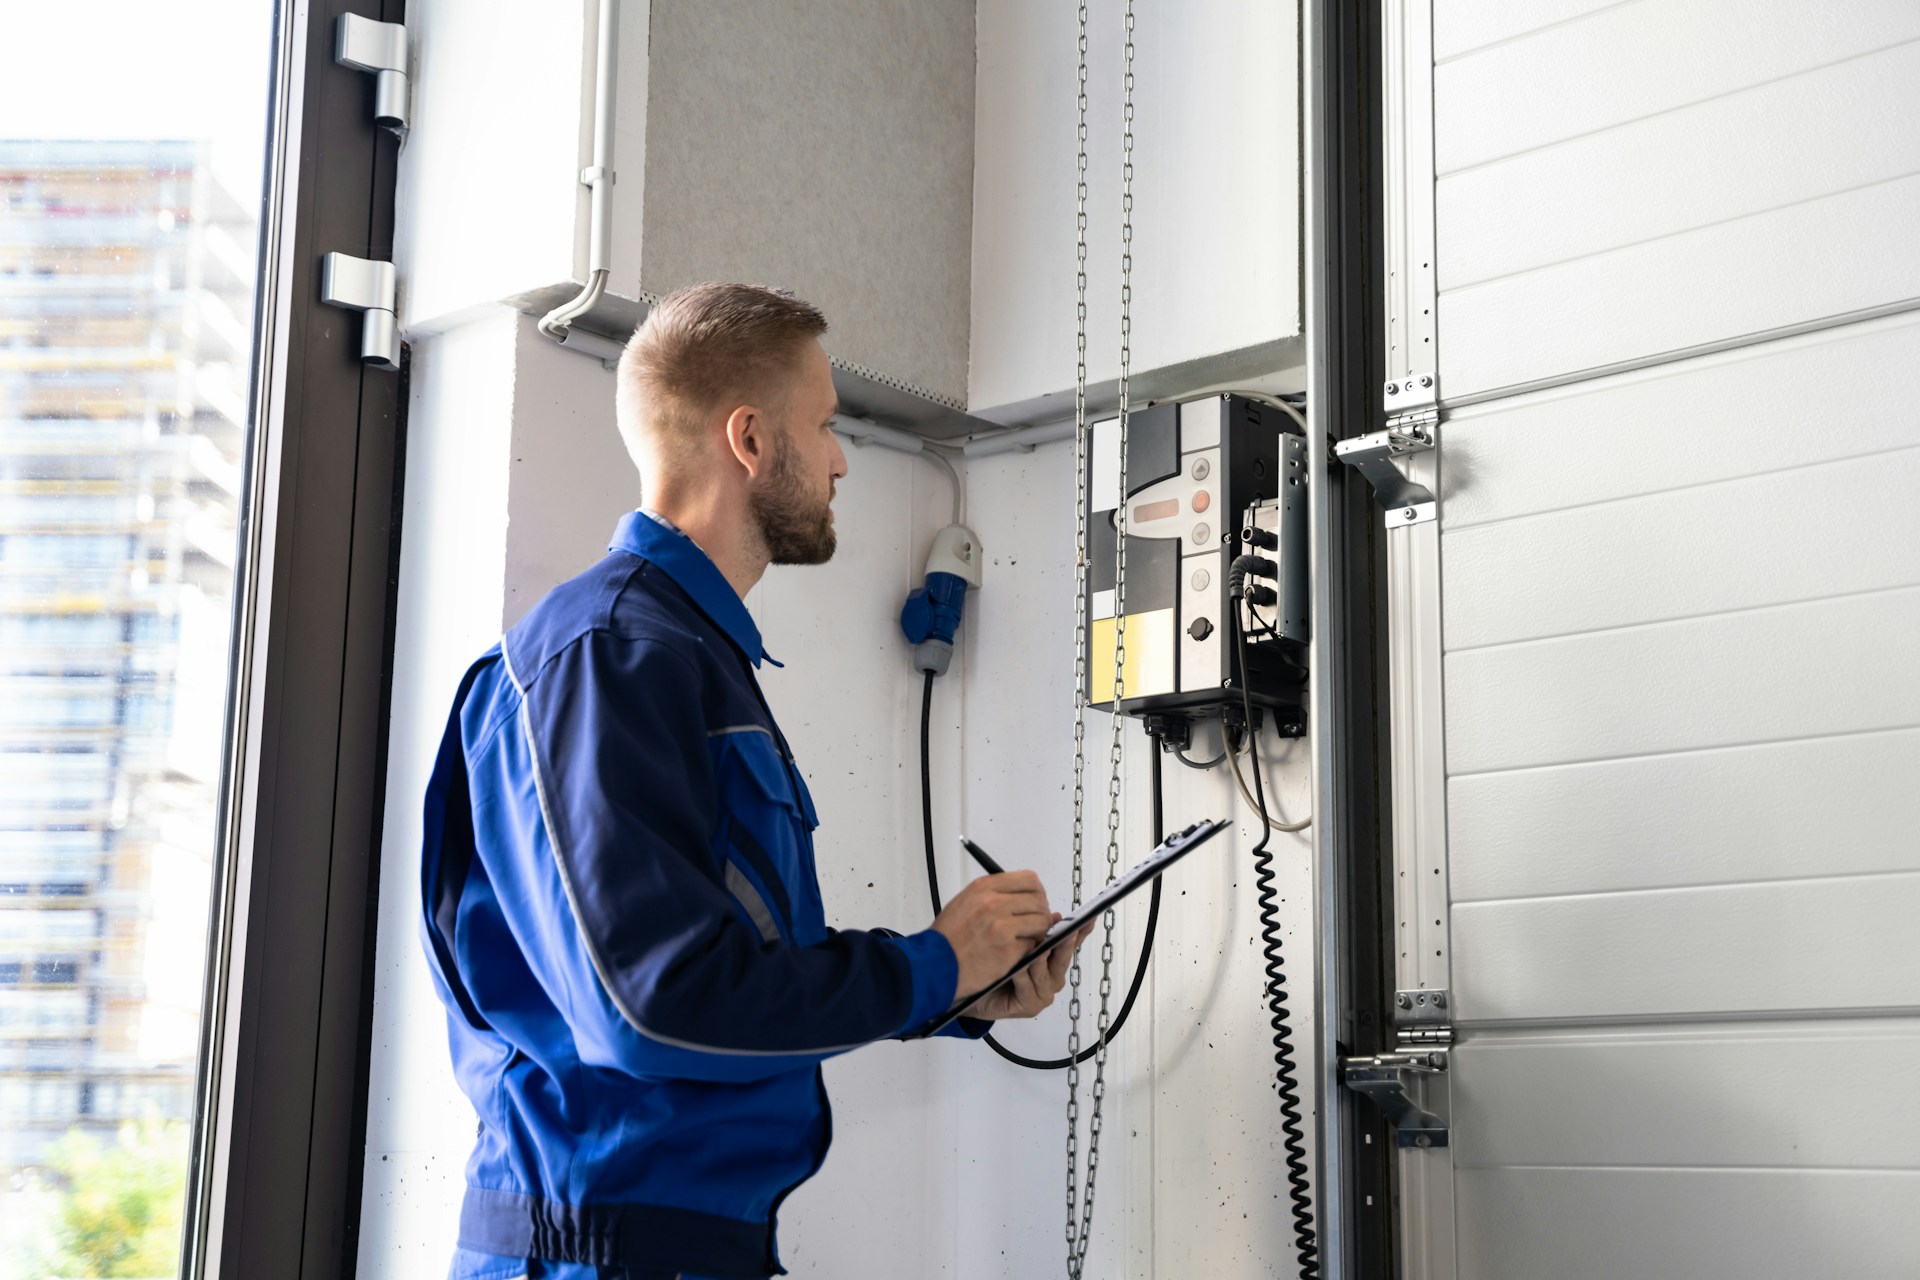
{"x": 704, "y": 349}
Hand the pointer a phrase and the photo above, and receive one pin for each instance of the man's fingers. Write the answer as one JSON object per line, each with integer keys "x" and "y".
{"x": 1027, "y": 987}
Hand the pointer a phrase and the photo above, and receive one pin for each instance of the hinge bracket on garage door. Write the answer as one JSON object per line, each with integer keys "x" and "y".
{"x": 1423, "y": 1033}
{"x": 1421, "y": 1019}
{"x": 1385, "y": 1080}
{"x": 1407, "y": 502}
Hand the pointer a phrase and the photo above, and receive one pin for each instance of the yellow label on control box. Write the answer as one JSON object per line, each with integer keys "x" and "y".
{"x": 1151, "y": 648}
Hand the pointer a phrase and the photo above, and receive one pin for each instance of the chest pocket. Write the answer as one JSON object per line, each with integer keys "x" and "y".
{"x": 765, "y": 841}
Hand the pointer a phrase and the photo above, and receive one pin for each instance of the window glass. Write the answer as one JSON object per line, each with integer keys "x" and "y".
{"x": 131, "y": 145}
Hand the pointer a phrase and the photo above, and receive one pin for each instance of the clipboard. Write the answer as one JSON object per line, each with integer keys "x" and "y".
{"x": 1165, "y": 854}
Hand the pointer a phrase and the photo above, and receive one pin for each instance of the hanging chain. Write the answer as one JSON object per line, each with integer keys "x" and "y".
{"x": 1075, "y": 1252}
{"x": 1079, "y": 1235}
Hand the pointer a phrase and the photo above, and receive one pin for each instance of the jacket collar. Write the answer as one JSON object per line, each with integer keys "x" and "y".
{"x": 654, "y": 538}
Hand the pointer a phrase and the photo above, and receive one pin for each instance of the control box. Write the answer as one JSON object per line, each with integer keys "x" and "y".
{"x": 1199, "y": 476}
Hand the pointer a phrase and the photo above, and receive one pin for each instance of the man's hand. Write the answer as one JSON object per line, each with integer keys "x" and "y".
{"x": 992, "y": 923}
{"x": 1034, "y": 987}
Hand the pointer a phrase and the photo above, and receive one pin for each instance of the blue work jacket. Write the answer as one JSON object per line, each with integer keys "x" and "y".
{"x": 622, "y": 917}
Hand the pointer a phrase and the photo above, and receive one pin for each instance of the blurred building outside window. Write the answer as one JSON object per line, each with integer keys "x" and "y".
{"x": 131, "y": 145}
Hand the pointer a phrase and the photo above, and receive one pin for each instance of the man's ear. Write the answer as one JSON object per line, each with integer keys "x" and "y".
{"x": 747, "y": 439}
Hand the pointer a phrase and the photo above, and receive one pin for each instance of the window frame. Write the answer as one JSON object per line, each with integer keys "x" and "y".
{"x": 279, "y": 1140}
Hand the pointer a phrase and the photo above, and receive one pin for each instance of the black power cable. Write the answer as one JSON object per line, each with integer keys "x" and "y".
{"x": 1293, "y": 1134}
{"x": 933, "y": 891}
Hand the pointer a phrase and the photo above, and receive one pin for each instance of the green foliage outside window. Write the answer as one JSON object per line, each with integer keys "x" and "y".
{"x": 117, "y": 1212}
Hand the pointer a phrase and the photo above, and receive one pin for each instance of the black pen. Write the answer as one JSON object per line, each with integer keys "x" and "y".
{"x": 980, "y": 856}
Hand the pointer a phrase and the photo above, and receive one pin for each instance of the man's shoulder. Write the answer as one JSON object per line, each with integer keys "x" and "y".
{"x": 623, "y": 602}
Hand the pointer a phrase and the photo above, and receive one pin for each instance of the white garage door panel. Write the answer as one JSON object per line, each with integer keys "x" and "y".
{"x": 1780, "y": 143}
{"x": 1791, "y": 535}
{"x": 1710, "y": 817}
{"x": 1797, "y": 670}
{"x": 1632, "y": 61}
{"x": 1677, "y": 1224}
{"x": 1795, "y": 402}
{"x": 1679, "y": 307}
{"x": 1753, "y": 948}
{"x": 1756, "y": 1096}
{"x": 1839, "y": 255}
{"x": 1461, "y": 26}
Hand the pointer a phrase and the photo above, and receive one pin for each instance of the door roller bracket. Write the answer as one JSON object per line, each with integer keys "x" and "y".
{"x": 1384, "y": 1079}
{"x": 1407, "y": 502}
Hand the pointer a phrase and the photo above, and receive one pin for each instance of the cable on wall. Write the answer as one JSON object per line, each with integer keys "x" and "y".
{"x": 1293, "y": 1140}
{"x": 933, "y": 891}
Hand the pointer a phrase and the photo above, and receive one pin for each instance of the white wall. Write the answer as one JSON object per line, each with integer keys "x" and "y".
{"x": 489, "y": 181}
{"x": 1191, "y": 1180}
{"x": 515, "y": 479}
{"x": 884, "y": 1202}
{"x": 453, "y": 555}
{"x": 947, "y": 1161}
{"x": 1216, "y": 240}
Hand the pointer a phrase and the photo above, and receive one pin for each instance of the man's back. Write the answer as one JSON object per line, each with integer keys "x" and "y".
{"x": 621, "y": 909}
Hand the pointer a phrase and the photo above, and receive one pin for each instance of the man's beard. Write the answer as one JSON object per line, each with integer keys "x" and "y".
{"x": 797, "y": 527}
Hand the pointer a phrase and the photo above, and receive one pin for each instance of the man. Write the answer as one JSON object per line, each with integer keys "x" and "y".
{"x": 620, "y": 906}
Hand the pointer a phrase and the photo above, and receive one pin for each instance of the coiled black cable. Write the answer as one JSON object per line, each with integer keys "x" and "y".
{"x": 1286, "y": 1074}
{"x": 933, "y": 891}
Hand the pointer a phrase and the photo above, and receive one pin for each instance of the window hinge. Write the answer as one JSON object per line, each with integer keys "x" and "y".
{"x": 355, "y": 284}
{"x": 1406, "y": 501}
{"x": 1384, "y": 1078}
{"x": 381, "y": 48}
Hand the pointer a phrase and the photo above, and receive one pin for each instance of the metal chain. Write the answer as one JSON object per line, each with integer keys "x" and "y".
{"x": 1078, "y": 1239}
{"x": 1075, "y": 1251}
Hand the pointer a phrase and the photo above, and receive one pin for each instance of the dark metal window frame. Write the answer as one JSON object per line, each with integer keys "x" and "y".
{"x": 275, "y": 1184}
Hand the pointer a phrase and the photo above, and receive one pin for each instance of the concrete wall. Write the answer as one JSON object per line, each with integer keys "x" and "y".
{"x": 824, "y": 148}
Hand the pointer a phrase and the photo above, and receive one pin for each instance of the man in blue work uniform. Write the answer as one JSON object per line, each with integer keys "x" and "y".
{"x": 619, "y": 900}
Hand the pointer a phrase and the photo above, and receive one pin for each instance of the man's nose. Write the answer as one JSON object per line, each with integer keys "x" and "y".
{"x": 839, "y": 456}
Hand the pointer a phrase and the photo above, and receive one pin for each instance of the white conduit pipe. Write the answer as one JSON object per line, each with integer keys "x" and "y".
{"x": 598, "y": 178}
{"x": 1025, "y": 439}
{"x": 864, "y": 431}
